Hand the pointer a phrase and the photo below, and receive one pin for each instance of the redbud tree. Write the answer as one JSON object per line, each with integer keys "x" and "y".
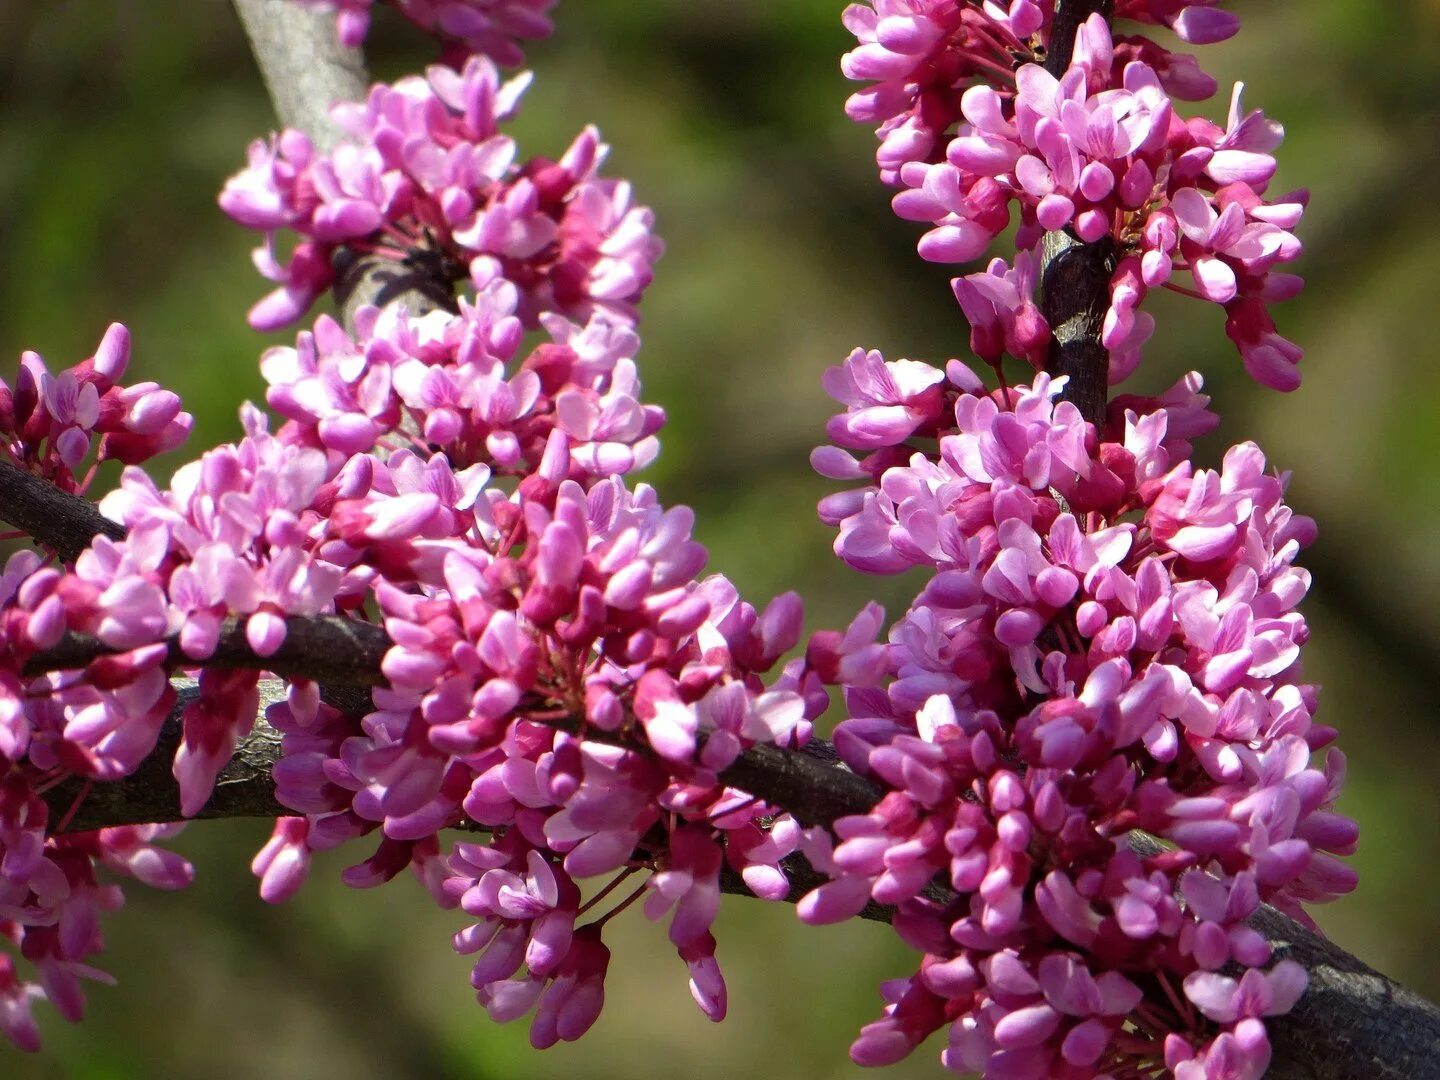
{"x": 427, "y": 609}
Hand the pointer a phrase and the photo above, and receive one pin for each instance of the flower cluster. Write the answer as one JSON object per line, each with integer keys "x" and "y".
{"x": 53, "y": 885}
{"x": 441, "y": 383}
{"x": 1099, "y": 151}
{"x": 560, "y": 675}
{"x": 429, "y": 179}
{"x": 921, "y": 56}
{"x": 568, "y": 685}
{"x": 1109, "y": 642}
{"x": 49, "y": 423}
{"x": 52, "y": 892}
{"x": 492, "y": 28}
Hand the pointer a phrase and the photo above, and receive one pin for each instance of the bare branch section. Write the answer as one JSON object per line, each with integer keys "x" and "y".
{"x": 305, "y": 68}
{"x": 150, "y": 795}
{"x": 1352, "y": 1022}
{"x": 1075, "y": 276}
{"x": 328, "y": 649}
{"x": 64, "y": 523}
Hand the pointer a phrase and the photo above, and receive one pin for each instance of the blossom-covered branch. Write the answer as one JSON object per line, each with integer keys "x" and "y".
{"x": 438, "y": 520}
{"x": 1318, "y": 1039}
{"x": 557, "y": 674}
{"x": 1091, "y": 633}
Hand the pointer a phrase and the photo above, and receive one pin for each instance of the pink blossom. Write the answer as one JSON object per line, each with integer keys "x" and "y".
{"x": 427, "y": 174}
{"x": 1097, "y": 150}
{"x": 1174, "y": 633}
{"x": 49, "y": 422}
{"x": 492, "y": 28}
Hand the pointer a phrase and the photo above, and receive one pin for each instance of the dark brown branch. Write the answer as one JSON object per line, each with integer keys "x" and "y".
{"x": 345, "y": 654}
{"x": 1075, "y": 276}
{"x": 64, "y": 523}
{"x": 812, "y": 784}
{"x": 1351, "y": 1021}
{"x": 150, "y": 795}
{"x": 1069, "y": 17}
{"x": 329, "y": 649}
{"x": 1074, "y": 293}
{"x": 802, "y": 877}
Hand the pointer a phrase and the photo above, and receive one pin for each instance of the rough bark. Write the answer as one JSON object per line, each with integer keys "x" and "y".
{"x": 150, "y": 795}
{"x": 64, "y": 523}
{"x": 1075, "y": 276}
{"x": 305, "y": 68}
{"x": 1352, "y": 1021}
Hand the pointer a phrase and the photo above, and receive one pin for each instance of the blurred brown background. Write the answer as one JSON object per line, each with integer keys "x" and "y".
{"x": 120, "y": 120}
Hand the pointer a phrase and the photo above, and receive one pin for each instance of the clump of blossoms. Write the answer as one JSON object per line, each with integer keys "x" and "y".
{"x": 559, "y": 675}
{"x": 492, "y": 28}
{"x": 1106, "y": 646}
{"x": 53, "y": 887}
{"x": 921, "y": 56}
{"x": 974, "y": 127}
{"x": 577, "y": 605}
{"x": 1109, "y": 642}
{"x": 429, "y": 179}
{"x": 449, "y": 383}
{"x": 50, "y": 423}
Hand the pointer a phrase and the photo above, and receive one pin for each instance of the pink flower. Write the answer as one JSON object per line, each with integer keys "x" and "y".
{"x": 572, "y": 1002}
{"x": 427, "y": 168}
{"x": 284, "y": 862}
{"x": 690, "y": 886}
{"x": 1145, "y": 607}
{"x": 491, "y": 28}
{"x": 49, "y": 422}
{"x": 1000, "y": 307}
{"x": 1096, "y": 150}
{"x": 17, "y": 1023}
{"x": 886, "y": 401}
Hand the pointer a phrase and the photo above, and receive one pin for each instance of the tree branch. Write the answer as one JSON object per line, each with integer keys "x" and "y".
{"x": 1075, "y": 276}
{"x": 64, "y": 523}
{"x": 1351, "y": 1022}
{"x": 305, "y": 68}
{"x": 327, "y": 649}
{"x": 306, "y": 71}
{"x": 341, "y": 653}
{"x": 151, "y": 796}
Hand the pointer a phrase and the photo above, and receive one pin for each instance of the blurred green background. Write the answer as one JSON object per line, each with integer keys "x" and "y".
{"x": 118, "y": 123}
